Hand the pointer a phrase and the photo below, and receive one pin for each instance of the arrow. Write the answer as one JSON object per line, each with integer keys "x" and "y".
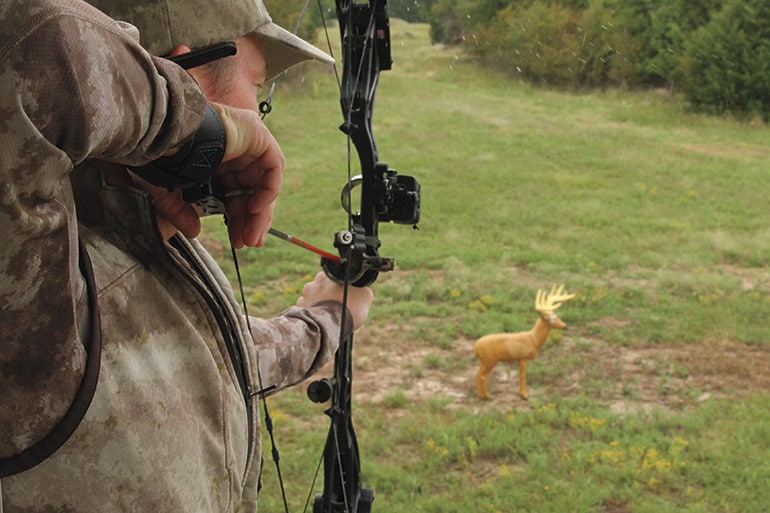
{"x": 301, "y": 243}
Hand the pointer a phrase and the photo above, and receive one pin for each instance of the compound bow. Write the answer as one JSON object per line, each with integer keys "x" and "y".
{"x": 384, "y": 196}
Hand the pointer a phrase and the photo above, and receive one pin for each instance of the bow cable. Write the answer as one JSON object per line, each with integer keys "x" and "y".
{"x": 265, "y": 107}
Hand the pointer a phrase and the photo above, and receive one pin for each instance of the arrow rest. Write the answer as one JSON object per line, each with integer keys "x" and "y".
{"x": 356, "y": 266}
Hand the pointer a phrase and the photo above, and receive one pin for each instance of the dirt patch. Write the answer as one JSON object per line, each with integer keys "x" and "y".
{"x": 626, "y": 379}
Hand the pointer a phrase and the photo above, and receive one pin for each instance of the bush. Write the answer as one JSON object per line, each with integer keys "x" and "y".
{"x": 555, "y": 44}
{"x": 410, "y": 10}
{"x": 445, "y": 23}
{"x": 658, "y": 32}
{"x": 452, "y": 20}
{"x": 287, "y": 14}
{"x": 728, "y": 62}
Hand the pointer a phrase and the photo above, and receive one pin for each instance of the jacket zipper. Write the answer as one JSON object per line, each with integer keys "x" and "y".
{"x": 229, "y": 332}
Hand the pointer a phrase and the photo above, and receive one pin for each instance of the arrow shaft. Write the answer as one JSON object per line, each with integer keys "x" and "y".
{"x": 301, "y": 243}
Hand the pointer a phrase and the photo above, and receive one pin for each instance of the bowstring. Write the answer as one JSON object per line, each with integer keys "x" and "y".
{"x": 346, "y": 280}
{"x": 261, "y": 392}
{"x": 265, "y": 107}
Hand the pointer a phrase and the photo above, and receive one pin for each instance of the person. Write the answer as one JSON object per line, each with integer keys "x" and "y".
{"x": 128, "y": 373}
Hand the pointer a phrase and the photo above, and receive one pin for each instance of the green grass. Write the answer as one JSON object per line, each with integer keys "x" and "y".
{"x": 565, "y": 455}
{"x": 655, "y": 216}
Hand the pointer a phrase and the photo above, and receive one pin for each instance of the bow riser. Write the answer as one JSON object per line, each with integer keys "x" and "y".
{"x": 365, "y": 35}
{"x": 360, "y": 30}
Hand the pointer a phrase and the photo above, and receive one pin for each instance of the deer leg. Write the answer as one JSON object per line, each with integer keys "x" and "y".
{"x": 523, "y": 378}
{"x": 481, "y": 380}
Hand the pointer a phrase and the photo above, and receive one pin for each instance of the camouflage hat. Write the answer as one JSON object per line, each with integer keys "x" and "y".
{"x": 166, "y": 24}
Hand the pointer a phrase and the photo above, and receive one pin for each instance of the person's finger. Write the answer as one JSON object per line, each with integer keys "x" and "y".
{"x": 266, "y": 194}
{"x": 236, "y": 220}
{"x": 258, "y": 226}
{"x": 245, "y": 228}
{"x": 170, "y": 206}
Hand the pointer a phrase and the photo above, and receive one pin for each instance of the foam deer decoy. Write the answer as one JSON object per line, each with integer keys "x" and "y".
{"x": 522, "y": 346}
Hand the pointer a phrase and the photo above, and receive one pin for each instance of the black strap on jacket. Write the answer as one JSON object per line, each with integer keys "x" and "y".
{"x": 49, "y": 444}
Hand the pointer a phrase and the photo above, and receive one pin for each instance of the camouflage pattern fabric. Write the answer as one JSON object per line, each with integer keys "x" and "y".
{"x": 73, "y": 84}
{"x": 165, "y": 24}
{"x": 169, "y": 428}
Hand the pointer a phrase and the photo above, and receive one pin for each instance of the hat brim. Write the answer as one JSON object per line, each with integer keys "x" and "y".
{"x": 283, "y": 49}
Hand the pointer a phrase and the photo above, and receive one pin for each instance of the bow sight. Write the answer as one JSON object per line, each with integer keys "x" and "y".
{"x": 393, "y": 198}
{"x": 397, "y": 196}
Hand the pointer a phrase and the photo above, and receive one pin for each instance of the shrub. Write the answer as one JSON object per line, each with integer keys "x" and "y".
{"x": 555, "y": 44}
{"x": 728, "y": 62}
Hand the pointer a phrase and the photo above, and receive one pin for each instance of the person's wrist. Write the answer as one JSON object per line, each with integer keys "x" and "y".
{"x": 192, "y": 165}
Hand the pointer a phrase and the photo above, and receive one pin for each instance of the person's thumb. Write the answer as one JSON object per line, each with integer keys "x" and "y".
{"x": 244, "y": 131}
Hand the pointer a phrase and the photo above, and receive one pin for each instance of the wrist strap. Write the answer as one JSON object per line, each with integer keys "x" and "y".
{"x": 192, "y": 167}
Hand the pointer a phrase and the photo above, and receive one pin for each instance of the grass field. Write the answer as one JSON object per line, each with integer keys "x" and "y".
{"x": 656, "y": 397}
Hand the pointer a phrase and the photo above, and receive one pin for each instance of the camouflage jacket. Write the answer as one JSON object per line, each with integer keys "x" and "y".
{"x": 172, "y": 425}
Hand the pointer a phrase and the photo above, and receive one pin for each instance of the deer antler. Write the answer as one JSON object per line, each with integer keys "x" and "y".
{"x": 551, "y": 301}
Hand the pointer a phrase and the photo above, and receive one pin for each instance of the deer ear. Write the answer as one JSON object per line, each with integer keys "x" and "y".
{"x": 551, "y": 318}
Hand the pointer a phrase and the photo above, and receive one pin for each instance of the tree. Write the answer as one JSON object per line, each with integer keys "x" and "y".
{"x": 660, "y": 31}
{"x": 728, "y": 61}
{"x": 411, "y": 10}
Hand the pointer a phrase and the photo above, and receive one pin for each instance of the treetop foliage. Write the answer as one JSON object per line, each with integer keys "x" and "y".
{"x": 715, "y": 52}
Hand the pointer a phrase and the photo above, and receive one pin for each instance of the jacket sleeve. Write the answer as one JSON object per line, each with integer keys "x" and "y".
{"x": 85, "y": 87}
{"x": 74, "y": 85}
{"x": 296, "y": 344}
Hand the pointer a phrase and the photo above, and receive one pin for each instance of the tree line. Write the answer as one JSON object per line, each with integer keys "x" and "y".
{"x": 714, "y": 52}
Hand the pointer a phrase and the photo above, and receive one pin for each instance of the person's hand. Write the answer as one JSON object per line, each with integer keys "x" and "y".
{"x": 174, "y": 214}
{"x": 324, "y": 289}
{"x": 252, "y": 161}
